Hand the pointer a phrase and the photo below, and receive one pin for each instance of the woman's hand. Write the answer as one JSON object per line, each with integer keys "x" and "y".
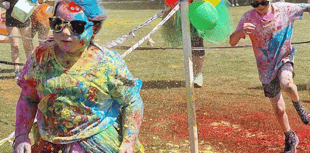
{"x": 22, "y": 144}
{"x": 248, "y": 28}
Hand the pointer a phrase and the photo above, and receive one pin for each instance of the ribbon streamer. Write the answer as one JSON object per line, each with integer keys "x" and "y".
{"x": 123, "y": 38}
{"x": 154, "y": 30}
{"x": 7, "y": 139}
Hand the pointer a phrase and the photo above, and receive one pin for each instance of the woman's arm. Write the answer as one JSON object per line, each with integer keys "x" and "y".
{"x": 126, "y": 91}
{"x": 131, "y": 113}
{"x": 26, "y": 109}
{"x": 132, "y": 116}
{"x": 25, "y": 114}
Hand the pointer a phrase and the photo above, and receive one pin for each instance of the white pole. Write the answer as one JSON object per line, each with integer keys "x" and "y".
{"x": 188, "y": 65}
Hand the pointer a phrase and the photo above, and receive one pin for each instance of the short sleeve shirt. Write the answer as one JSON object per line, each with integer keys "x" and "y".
{"x": 272, "y": 37}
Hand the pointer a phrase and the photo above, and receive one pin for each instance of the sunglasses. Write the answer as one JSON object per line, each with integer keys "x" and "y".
{"x": 263, "y": 3}
{"x": 76, "y": 27}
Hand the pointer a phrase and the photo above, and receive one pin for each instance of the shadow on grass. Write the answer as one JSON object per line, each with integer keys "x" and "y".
{"x": 300, "y": 87}
{"x": 6, "y": 123}
{"x": 6, "y": 71}
{"x": 163, "y": 84}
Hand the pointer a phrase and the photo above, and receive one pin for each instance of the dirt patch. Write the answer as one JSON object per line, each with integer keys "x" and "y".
{"x": 226, "y": 121}
{"x": 224, "y": 125}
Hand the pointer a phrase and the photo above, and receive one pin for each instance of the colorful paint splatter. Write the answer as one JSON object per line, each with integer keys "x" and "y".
{"x": 272, "y": 37}
{"x": 84, "y": 101}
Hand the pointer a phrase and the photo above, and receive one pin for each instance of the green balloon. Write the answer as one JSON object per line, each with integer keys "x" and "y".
{"x": 203, "y": 15}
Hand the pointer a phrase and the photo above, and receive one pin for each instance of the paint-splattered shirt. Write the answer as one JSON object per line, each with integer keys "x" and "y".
{"x": 79, "y": 102}
{"x": 272, "y": 37}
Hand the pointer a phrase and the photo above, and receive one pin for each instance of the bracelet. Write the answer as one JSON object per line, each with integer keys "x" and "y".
{"x": 13, "y": 145}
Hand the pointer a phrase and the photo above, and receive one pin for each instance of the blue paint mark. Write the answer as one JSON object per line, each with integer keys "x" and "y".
{"x": 276, "y": 43}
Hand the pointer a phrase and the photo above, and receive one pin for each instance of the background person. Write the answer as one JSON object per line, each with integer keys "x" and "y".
{"x": 40, "y": 20}
{"x": 14, "y": 26}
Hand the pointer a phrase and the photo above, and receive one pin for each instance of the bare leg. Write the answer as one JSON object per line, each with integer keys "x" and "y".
{"x": 14, "y": 46}
{"x": 27, "y": 41}
{"x": 279, "y": 109}
{"x": 43, "y": 33}
{"x": 198, "y": 62}
{"x": 287, "y": 85}
{"x": 198, "y": 57}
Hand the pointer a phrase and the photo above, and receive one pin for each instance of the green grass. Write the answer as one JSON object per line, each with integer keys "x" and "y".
{"x": 229, "y": 70}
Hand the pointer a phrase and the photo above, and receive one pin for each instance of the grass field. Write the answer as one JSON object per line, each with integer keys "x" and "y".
{"x": 232, "y": 113}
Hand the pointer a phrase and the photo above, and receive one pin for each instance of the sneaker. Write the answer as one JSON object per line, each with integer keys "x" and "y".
{"x": 198, "y": 80}
{"x": 232, "y": 5}
{"x": 237, "y": 4}
{"x": 17, "y": 73}
{"x": 302, "y": 111}
{"x": 291, "y": 142}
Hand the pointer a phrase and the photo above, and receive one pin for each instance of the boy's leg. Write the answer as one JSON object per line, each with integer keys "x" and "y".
{"x": 278, "y": 105}
{"x": 287, "y": 85}
{"x": 291, "y": 139}
{"x": 273, "y": 91}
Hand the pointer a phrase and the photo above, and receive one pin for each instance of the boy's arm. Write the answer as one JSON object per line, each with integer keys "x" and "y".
{"x": 236, "y": 36}
{"x": 295, "y": 11}
{"x": 239, "y": 32}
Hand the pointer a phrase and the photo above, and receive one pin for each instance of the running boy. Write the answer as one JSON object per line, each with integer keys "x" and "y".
{"x": 270, "y": 28}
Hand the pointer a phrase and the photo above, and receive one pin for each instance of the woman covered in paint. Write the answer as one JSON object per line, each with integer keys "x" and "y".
{"x": 84, "y": 97}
